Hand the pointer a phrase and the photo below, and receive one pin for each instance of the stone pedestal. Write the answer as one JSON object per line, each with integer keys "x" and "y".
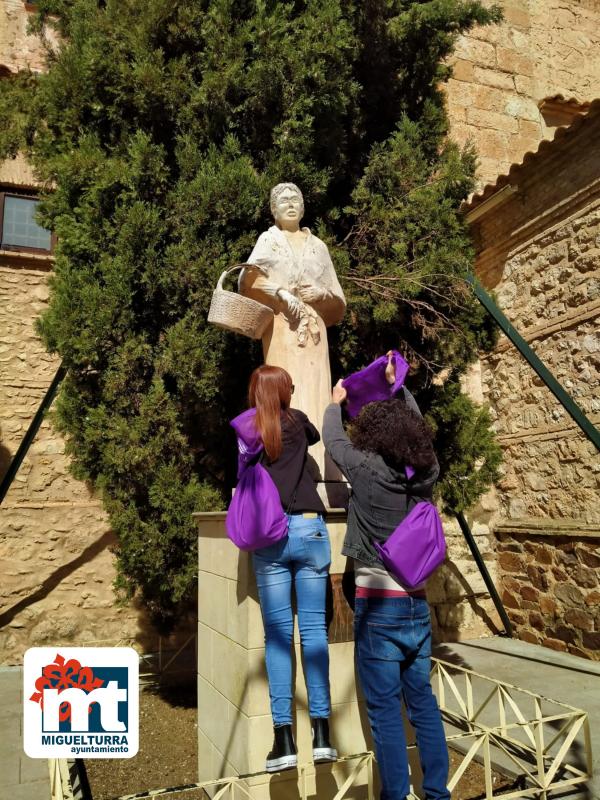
{"x": 234, "y": 722}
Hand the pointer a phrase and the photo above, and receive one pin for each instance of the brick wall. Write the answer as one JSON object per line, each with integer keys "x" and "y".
{"x": 502, "y": 72}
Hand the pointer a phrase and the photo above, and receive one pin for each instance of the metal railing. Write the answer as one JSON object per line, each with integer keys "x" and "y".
{"x": 544, "y": 741}
{"x": 500, "y": 726}
{"x": 61, "y": 787}
{"x": 228, "y": 787}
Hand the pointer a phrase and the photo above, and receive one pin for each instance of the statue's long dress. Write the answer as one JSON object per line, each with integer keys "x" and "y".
{"x": 308, "y": 364}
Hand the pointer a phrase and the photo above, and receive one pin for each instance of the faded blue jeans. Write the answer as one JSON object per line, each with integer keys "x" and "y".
{"x": 393, "y": 654}
{"x": 302, "y": 558}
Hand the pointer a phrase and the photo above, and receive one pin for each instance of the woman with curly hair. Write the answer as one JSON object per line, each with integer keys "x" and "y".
{"x": 391, "y": 465}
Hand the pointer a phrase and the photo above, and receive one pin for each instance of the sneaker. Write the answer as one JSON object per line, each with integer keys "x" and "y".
{"x": 322, "y": 749}
{"x": 283, "y": 755}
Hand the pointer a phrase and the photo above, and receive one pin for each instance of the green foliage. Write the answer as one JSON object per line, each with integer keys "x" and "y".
{"x": 468, "y": 453}
{"x": 161, "y": 127}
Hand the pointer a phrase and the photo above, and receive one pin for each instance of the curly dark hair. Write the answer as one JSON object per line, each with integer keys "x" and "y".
{"x": 396, "y": 432}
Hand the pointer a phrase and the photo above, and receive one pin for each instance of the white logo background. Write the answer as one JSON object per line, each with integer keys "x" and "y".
{"x": 84, "y": 744}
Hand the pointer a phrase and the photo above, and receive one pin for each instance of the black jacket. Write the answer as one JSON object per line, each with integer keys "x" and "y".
{"x": 290, "y": 472}
{"x": 381, "y": 495}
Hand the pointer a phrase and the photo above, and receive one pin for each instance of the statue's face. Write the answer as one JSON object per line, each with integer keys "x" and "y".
{"x": 288, "y": 209}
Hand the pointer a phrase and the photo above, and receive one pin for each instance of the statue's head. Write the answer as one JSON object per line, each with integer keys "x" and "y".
{"x": 287, "y": 204}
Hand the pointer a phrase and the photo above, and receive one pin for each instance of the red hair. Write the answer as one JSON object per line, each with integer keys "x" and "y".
{"x": 270, "y": 392}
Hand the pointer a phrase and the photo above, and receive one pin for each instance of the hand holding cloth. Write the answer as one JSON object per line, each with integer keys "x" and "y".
{"x": 371, "y": 385}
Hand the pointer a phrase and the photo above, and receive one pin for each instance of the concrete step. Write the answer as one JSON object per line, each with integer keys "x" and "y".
{"x": 23, "y": 778}
{"x": 557, "y": 676}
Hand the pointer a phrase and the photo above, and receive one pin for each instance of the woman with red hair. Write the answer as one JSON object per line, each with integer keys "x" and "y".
{"x": 301, "y": 558}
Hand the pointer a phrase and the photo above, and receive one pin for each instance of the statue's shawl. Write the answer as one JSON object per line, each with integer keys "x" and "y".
{"x": 274, "y": 255}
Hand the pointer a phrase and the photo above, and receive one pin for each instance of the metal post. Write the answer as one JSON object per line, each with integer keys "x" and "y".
{"x": 464, "y": 526}
{"x": 590, "y": 430}
{"x": 31, "y": 432}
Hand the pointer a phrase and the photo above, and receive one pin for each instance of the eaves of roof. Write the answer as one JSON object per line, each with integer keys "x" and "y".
{"x": 533, "y": 159}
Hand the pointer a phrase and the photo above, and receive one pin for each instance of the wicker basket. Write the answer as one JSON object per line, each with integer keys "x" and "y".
{"x": 238, "y": 313}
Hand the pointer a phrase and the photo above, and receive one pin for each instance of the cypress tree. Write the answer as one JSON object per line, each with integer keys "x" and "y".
{"x": 159, "y": 128}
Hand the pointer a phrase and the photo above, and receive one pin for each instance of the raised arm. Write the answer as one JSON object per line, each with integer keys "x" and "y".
{"x": 337, "y": 444}
{"x": 423, "y": 485}
{"x": 411, "y": 402}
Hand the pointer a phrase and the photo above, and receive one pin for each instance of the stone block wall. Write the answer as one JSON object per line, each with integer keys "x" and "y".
{"x": 19, "y": 50}
{"x": 502, "y": 72}
{"x": 55, "y": 542}
{"x": 461, "y": 607}
{"x": 539, "y": 252}
{"x": 551, "y": 590}
{"x": 550, "y": 291}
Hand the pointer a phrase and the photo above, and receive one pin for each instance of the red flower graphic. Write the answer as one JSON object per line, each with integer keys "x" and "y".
{"x": 63, "y": 675}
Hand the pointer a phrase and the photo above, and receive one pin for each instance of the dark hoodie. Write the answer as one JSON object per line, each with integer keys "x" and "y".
{"x": 381, "y": 495}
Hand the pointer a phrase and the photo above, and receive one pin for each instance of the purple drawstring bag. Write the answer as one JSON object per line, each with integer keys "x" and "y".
{"x": 248, "y": 439}
{"x": 255, "y": 517}
{"x": 370, "y": 384}
{"x": 416, "y": 548}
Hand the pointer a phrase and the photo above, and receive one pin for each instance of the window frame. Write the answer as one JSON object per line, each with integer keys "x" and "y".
{"x": 23, "y": 194}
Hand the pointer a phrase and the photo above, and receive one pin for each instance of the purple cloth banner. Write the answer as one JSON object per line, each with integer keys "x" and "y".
{"x": 370, "y": 384}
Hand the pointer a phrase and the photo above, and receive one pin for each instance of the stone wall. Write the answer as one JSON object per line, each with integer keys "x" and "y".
{"x": 461, "y": 607}
{"x": 57, "y": 566}
{"x": 551, "y": 590}
{"x": 19, "y": 50}
{"x": 502, "y": 73}
{"x": 539, "y": 251}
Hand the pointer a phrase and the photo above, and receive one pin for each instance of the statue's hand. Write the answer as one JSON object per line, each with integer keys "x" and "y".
{"x": 310, "y": 294}
{"x": 295, "y": 306}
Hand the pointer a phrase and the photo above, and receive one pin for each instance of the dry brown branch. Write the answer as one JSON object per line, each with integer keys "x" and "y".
{"x": 380, "y": 281}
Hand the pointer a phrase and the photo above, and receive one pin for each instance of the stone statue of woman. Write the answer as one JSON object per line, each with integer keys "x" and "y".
{"x": 297, "y": 280}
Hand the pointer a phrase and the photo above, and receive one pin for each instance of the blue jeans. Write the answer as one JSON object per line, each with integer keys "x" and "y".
{"x": 302, "y": 558}
{"x": 393, "y": 651}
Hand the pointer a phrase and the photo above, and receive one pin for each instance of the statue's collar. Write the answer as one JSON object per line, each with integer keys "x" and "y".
{"x": 278, "y": 233}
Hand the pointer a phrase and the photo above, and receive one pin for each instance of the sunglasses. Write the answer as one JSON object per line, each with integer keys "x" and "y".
{"x": 292, "y": 389}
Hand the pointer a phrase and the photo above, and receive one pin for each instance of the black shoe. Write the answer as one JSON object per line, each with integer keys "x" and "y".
{"x": 283, "y": 755}
{"x": 322, "y": 749}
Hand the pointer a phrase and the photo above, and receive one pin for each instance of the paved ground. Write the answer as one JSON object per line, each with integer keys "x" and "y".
{"x": 23, "y": 778}
{"x": 559, "y": 676}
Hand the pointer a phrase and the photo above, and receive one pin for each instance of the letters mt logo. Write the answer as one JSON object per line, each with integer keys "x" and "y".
{"x": 84, "y": 702}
